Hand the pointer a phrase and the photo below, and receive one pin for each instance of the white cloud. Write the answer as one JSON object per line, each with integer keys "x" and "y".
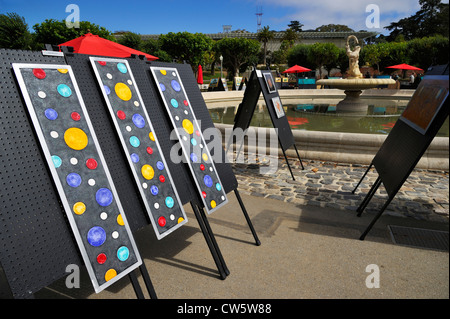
{"x": 348, "y": 12}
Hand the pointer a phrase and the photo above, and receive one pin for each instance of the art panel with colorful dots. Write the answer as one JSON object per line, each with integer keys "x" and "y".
{"x": 140, "y": 144}
{"x": 193, "y": 144}
{"x": 79, "y": 171}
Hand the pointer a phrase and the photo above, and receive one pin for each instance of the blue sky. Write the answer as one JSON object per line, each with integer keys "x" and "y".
{"x": 156, "y": 17}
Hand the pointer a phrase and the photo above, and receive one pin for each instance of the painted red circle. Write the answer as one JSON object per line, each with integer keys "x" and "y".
{"x": 91, "y": 163}
{"x": 202, "y": 167}
{"x": 162, "y": 179}
{"x": 162, "y": 221}
{"x": 197, "y": 132}
{"x": 186, "y": 103}
{"x": 121, "y": 114}
{"x": 39, "y": 73}
{"x": 101, "y": 258}
{"x": 150, "y": 150}
{"x": 102, "y": 62}
{"x": 75, "y": 116}
{"x": 204, "y": 194}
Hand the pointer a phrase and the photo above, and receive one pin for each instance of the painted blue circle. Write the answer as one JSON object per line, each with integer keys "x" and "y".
{"x": 160, "y": 165}
{"x": 218, "y": 187}
{"x": 154, "y": 189}
{"x": 96, "y": 236}
{"x": 208, "y": 180}
{"x": 107, "y": 89}
{"x": 57, "y": 161}
{"x": 138, "y": 120}
{"x": 104, "y": 197}
{"x": 123, "y": 253}
{"x": 162, "y": 87}
{"x": 134, "y": 158}
{"x": 51, "y": 114}
{"x": 64, "y": 90}
{"x": 134, "y": 141}
{"x": 194, "y": 157}
{"x": 73, "y": 179}
{"x": 175, "y": 85}
{"x": 121, "y": 67}
{"x": 169, "y": 202}
{"x": 174, "y": 103}
{"x": 193, "y": 141}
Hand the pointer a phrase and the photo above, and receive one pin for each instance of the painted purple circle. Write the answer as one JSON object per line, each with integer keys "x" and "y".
{"x": 175, "y": 85}
{"x": 162, "y": 87}
{"x": 194, "y": 157}
{"x": 107, "y": 89}
{"x": 73, "y": 179}
{"x": 208, "y": 180}
{"x": 154, "y": 189}
{"x": 134, "y": 158}
{"x": 160, "y": 165}
{"x": 96, "y": 236}
{"x": 51, "y": 114}
{"x": 104, "y": 197}
{"x": 138, "y": 120}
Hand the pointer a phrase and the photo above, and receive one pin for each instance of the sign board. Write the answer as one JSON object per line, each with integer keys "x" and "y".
{"x": 79, "y": 171}
{"x": 140, "y": 144}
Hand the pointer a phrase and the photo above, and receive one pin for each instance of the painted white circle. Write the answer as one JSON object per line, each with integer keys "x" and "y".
{"x": 186, "y": 112}
{"x": 136, "y": 103}
{"x": 211, "y": 169}
{"x": 184, "y": 138}
{"x": 128, "y": 128}
{"x": 103, "y": 215}
{"x": 177, "y": 118}
{"x": 201, "y": 145}
{"x": 174, "y": 74}
{"x": 172, "y": 217}
{"x": 42, "y": 94}
{"x": 144, "y": 185}
{"x": 73, "y": 161}
{"x": 54, "y": 134}
{"x": 109, "y": 76}
{"x": 91, "y": 182}
{"x": 130, "y": 82}
{"x": 156, "y": 205}
{"x": 223, "y": 197}
{"x": 115, "y": 234}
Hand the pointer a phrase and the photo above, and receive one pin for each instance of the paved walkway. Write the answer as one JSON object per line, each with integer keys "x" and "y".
{"x": 424, "y": 195}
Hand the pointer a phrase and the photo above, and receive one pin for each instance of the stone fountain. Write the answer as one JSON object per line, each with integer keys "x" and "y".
{"x": 354, "y": 84}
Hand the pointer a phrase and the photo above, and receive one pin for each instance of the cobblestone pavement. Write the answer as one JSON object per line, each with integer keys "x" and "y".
{"x": 424, "y": 195}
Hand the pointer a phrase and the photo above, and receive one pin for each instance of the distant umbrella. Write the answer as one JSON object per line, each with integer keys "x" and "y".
{"x": 296, "y": 69}
{"x": 200, "y": 75}
{"x": 404, "y": 66}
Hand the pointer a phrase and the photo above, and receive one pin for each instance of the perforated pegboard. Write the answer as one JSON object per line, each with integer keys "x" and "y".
{"x": 36, "y": 243}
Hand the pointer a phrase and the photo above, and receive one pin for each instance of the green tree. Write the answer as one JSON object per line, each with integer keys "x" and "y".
{"x": 323, "y": 55}
{"x": 334, "y": 28}
{"x": 428, "y": 51}
{"x": 131, "y": 40}
{"x": 295, "y": 26}
{"x": 237, "y": 53}
{"x": 153, "y": 47}
{"x": 264, "y": 36}
{"x": 289, "y": 37}
{"x": 298, "y": 54}
{"x": 185, "y": 46}
{"x": 56, "y": 32}
{"x": 14, "y": 32}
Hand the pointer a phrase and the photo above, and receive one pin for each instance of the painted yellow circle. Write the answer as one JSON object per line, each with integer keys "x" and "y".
{"x": 75, "y": 138}
{"x": 163, "y": 72}
{"x": 79, "y": 208}
{"x": 64, "y": 71}
{"x": 152, "y": 136}
{"x": 120, "y": 220}
{"x": 110, "y": 274}
{"x": 205, "y": 157}
{"x": 188, "y": 127}
{"x": 180, "y": 219}
{"x": 213, "y": 204}
{"x": 147, "y": 171}
{"x": 123, "y": 91}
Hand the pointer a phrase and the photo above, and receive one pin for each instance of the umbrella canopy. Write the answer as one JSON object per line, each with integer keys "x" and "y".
{"x": 296, "y": 69}
{"x": 95, "y": 45}
{"x": 404, "y": 66}
{"x": 200, "y": 75}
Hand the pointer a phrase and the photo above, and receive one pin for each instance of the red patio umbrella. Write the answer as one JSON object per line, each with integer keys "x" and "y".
{"x": 404, "y": 66}
{"x": 95, "y": 45}
{"x": 296, "y": 69}
{"x": 200, "y": 75}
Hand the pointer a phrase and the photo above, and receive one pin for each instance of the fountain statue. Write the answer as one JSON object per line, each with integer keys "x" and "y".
{"x": 355, "y": 83}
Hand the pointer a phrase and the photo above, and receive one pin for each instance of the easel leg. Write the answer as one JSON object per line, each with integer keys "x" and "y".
{"x": 287, "y": 162}
{"x": 213, "y": 240}
{"x": 209, "y": 242}
{"x": 136, "y": 286}
{"x": 148, "y": 282}
{"x": 249, "y": 222}
{"x": 375, "y": 219}
{"x": 369, "y": 196}
{"x": 368, "y": 169}
{"x": 301, "y": 163}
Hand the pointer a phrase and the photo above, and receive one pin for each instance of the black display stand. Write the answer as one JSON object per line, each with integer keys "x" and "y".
{"x": 256, "y": 85}
{"x": 407, "y": 142}
{"x": 36, "y": 241}
{"x": 219, "y": 86}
